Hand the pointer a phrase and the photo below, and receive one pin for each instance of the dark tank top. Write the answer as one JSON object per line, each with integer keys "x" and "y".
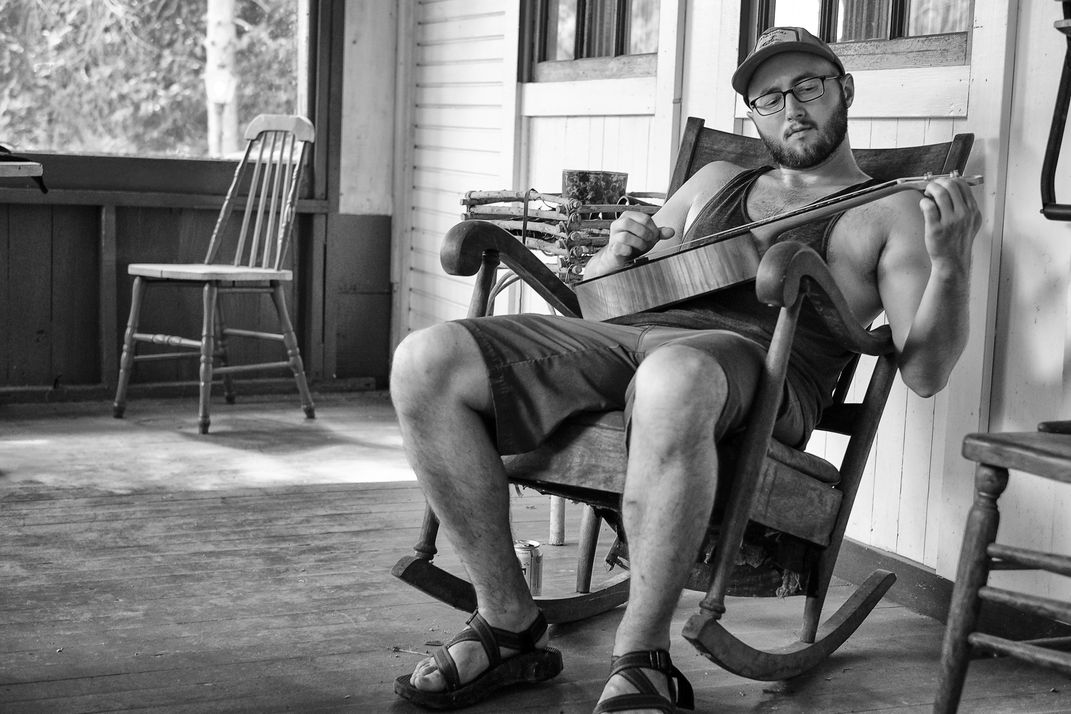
{"x": 817, "y": 358}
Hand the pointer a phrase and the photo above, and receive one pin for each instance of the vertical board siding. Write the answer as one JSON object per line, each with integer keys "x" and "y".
{"x": 76, "y": 295}
{"x": 608, "y": 143}
{"x": 456, "y": 142}
{"x": 49, "y": 265}
{"x": 29, "y": 288}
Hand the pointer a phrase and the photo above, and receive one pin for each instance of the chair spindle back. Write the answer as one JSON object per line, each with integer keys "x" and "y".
{"x": 265, "y": 184}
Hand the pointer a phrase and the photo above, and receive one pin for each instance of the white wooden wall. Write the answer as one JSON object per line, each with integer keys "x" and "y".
{"x": 1032, "y": 336}
{"x": 456, "y": 133}
{"x": 918, "y": 487}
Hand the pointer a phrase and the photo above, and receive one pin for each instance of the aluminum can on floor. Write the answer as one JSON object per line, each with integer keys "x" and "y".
{"x": 531, "y": 563}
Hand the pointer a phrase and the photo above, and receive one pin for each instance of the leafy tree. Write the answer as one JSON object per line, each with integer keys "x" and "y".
{"x": 127, "y": 76}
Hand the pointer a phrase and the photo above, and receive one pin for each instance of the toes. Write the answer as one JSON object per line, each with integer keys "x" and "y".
{"x": 426, "y": 676}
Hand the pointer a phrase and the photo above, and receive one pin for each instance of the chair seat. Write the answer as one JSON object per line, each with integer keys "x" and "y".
{"x": 205, "y": 271}
{"x": 587, "y": 455}
{"x": 1040, "y": 453}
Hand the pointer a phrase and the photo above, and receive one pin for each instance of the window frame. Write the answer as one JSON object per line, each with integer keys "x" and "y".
{"x": 895, "y": 52}
{"x": 533, "y": 67}
{"x": 92, "y": 179}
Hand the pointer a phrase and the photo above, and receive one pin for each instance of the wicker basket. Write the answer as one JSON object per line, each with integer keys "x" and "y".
{"x": 561, "y": 227}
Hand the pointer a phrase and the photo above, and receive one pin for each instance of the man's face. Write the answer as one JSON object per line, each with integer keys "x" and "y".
{"x": 802, "y": 134}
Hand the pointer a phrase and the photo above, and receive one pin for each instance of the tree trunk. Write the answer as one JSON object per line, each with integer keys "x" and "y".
{"x": 221, "y": 78}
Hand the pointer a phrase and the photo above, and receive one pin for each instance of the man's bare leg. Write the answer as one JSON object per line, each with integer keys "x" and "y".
{"x": 440, "y": 389}
{"x": 669, "y": 493}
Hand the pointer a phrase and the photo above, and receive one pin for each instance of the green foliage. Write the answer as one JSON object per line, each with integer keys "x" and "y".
{"x": 127, "y": 76}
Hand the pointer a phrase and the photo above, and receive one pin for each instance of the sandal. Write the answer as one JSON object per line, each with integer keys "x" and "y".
{"x": 647, "y": 697}
{"x": 530, "y": 665}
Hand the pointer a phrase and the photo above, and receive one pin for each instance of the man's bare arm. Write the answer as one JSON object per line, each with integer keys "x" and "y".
{"x": 634, "y": 233}
{"x": 924, "y": 283}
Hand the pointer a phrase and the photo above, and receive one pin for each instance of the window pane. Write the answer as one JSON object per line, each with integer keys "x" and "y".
{"x": 561, "y": 30}
{"x": 863, "y": 20}
{"x": 133, "y": 77}
{"x": 797, "y": 13}
{"x": 600, "y": 24}
{"x": 643, "y": 27}
{"x": 934, "y": 17}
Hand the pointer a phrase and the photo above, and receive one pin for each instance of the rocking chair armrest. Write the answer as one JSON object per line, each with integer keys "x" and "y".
{"x": 791, "y": 268}
{"x": 466, "y": 243}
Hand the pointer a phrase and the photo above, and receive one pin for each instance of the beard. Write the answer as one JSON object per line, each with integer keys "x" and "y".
{"x": 829, "y": 138}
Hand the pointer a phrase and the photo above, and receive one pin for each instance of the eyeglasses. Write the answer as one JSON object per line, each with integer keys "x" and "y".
{"x": 806, "y": 90}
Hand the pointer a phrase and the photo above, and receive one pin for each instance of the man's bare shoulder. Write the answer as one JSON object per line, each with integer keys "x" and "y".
{"x": 716, "y": 171}
{"x": 867, "y": 232}
{"x": 896, "y": 216}
{"x": 706, "y": 182}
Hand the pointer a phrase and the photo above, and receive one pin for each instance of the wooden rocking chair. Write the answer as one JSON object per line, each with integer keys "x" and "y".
{"x": 781, "y": 488}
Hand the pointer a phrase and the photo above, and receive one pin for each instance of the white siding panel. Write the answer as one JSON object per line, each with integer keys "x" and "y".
{"x": 458, "y": 127}
{"x": 596, "y": 97}
{"x": 470, "y": 27}
{"x": 447, "y": 10}
{"x": 457, "y": 117}
{"x": 473, "y": 94}
{"x": 457, "y": 138}
{"x": 464, "y": 49}
{"x": 607, "y": 143}
{"x": 476, "y": 163}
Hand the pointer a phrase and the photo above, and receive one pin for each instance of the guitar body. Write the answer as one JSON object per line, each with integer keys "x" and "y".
{"x": 717, "y": 261}
{"x": 669, "y": 279}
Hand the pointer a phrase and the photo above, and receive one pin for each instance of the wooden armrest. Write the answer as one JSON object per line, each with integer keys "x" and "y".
{"x": 791, "y": 267}
{"x": 465, "y": 244}
{"x": 1055, "y": 427}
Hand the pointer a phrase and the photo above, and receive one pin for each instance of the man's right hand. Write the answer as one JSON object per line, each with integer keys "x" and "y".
{"x": 633, "y": 234}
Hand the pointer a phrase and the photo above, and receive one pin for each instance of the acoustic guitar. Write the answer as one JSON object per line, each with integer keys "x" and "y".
{"x": 717, "y": 261}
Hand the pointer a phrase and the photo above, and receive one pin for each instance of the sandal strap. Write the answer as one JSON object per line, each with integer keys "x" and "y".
{"x": 680, "y": 688}
{"x": 524, "y": 641}
{"x": 491, "y": 639}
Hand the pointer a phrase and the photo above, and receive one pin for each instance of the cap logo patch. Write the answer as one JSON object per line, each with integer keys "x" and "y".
{"x": 776, "y": 35}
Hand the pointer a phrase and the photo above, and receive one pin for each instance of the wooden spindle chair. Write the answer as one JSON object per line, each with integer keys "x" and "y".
{"x": 264, "y": 190}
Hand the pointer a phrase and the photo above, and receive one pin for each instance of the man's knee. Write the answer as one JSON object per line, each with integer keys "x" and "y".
{"x": 683, "y": 380}
{"x": 437, "y": 362}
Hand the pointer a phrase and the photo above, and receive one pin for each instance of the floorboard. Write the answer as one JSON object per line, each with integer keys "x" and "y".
{"x": 146, "y": 568}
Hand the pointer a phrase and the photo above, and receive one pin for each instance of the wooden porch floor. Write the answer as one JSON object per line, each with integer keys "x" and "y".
{"x": 145, "y": 567}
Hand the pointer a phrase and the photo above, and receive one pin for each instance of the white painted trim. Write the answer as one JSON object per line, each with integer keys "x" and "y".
{"x": 401, "y": 219}
{"x": 992, "y": 77}
{"x": 595, "y": 97}
{"x": 511, "y": 96}
{"x": 366, "y": 152}
{"x": 665, "y": 129}
{"x": 908, "y": 93}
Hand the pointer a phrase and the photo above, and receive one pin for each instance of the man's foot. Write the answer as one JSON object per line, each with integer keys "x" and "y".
{"x": 471, "y": 661}
{"x": 642, "y": 682}
{"x": 479, "y": 661}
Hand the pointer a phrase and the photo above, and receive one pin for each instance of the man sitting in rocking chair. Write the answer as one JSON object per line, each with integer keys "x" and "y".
{"x": 470, "y": 390}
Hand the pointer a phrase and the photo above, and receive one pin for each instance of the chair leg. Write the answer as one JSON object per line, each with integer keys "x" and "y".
{"x": 221, "y": 351}
{"x": 208, "y": 332}
{"x": 585, "y": 559}
{"x": 126, "y": 362}
{"x": 292, "y": 351}
{"x": 971, "y": 574}
{"x": 556, "y": 534}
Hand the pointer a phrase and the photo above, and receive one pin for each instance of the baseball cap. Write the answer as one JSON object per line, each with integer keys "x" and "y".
{"x": 774, "y": 41}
